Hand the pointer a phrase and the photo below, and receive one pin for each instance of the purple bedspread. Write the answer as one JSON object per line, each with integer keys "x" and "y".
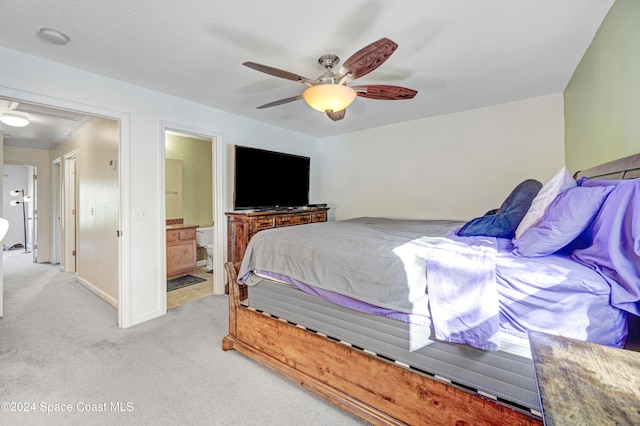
{"x": 554, "y": 294}
{"x": 557, "y": 295}
{"x": 614, "y": 251}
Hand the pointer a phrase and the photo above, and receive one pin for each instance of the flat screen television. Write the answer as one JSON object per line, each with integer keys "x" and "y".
{"x": 269, "y": 180}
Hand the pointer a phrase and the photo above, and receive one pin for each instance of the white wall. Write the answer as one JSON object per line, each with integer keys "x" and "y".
{"x": 97, "y": 204}
{"x": 455, "y": 166}
{"x": 142, "y": 111}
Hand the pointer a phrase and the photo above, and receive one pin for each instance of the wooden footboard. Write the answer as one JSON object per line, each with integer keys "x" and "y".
{"x": 375, "y": 389}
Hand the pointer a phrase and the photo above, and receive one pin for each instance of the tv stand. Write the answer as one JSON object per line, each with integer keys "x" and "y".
{"x": 242, "y": 225}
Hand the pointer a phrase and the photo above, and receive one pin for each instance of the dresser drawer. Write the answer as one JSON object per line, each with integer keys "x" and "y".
{"x": 242, "y": 226}
{"x": 188, "y": 234}
{"x": 181, "y": 234}
{"x": 173, "y": 235}
{"x": 319, "y": 217}
{"x": 262, "y": 223}
{"x": 298, "y": 219}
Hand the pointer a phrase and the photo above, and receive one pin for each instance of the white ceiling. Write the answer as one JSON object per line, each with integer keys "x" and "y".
{"x": 458, "y": 54}
{"x": 47, "y": 126}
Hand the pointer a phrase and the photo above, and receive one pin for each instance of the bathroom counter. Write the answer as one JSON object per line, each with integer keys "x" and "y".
{"x": 181, "y": 250}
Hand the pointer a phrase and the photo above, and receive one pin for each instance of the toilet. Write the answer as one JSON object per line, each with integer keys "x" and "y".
{"x": 204, "y": 238}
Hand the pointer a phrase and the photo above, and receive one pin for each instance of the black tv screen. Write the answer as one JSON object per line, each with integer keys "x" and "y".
{"x": 269, "y": 180}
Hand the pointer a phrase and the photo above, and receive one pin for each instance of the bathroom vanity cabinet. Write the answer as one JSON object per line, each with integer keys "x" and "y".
{"x": 181, "y": 250}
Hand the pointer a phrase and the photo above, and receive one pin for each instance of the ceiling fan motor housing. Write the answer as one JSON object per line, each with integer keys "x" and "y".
{"x": 329, "y": 60}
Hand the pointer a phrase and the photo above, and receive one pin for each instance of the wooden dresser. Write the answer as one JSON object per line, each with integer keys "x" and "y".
{"x": 181, "y": 250}
{"x": 244, "y": 225}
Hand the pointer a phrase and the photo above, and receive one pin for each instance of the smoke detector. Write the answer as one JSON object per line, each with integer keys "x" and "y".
{"x": 53, "y": 36}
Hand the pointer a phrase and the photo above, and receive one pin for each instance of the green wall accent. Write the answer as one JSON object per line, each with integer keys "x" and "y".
{"x": 602, "y": 100}
{"x": 197, "y": 181}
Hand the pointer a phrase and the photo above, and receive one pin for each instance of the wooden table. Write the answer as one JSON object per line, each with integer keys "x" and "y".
{"x": 582, "y": 383}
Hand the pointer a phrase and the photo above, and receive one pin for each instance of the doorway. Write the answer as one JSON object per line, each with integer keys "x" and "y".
{"x": 20, "y": 197}
{"x": 196, "y": 153}
{"x": 63, "y": 230}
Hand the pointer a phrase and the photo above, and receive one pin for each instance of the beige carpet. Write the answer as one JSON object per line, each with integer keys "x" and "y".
{"x": 60, "y": 348}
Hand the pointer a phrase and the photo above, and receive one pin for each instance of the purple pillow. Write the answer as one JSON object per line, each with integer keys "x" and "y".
{"x": 615, "y": 250}
{"x": 504, "y": 222}
{"x": 567, "y": 216}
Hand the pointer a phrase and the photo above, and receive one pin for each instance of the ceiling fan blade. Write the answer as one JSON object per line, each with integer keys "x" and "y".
{"x": 280, "y": 102}
{"x": 337, "y": 115}
{"x": 367, "y": 59}
{"x": 277, "y": 72}
{"x": 384, "y": 92}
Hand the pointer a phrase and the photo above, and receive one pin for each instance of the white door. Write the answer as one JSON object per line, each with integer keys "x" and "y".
{"x": 32, "y": 216}
{"x": 69, "y": 214}
{"x": 56, "y": 213}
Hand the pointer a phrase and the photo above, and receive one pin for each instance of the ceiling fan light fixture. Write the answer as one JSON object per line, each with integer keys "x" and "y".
{"x": 329, "y": 97}
{"x": 14, "y": 120}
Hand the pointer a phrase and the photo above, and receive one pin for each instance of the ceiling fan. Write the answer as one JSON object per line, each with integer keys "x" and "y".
{"x": 330, "y": 93}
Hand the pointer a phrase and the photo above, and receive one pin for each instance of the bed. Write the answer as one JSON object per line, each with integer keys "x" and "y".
{"x": 394, "y": 356}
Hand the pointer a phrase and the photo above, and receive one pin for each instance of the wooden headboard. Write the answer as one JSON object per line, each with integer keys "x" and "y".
{"x": 623, "y": 168}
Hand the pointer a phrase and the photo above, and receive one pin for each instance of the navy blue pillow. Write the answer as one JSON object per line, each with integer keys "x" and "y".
{"x": 504, "y": 223}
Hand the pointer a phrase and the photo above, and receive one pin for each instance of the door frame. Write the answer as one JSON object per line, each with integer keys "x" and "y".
{"x": 219, "y": 223}
{"x": 34, "y": 212}
{"x": 124, "y": 160}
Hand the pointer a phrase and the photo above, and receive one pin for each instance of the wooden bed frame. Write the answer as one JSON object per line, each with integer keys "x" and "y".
{"x": 373, "y": 388}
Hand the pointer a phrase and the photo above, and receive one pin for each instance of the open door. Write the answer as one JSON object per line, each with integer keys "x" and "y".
{"x": 32, "y": 218}
{"x": 69, "y": 213}
{"x": 56, "y": 213}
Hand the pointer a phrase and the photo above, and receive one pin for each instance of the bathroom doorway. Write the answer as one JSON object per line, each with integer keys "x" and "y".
{"x": 190, "y": 207}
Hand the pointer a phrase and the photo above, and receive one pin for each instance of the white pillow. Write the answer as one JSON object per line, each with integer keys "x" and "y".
{"x": 561, "y": 181}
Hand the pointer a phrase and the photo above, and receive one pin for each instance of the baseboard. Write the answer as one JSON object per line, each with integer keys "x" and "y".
{"x": 101, "y": 294}
{"x": 201, "y": 262}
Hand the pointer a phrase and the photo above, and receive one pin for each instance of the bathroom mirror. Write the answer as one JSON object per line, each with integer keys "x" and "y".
{"x": 173, "y": 188}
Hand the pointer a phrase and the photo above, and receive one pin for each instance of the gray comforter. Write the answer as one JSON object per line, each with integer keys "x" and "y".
{"x": 360, "y": 258}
